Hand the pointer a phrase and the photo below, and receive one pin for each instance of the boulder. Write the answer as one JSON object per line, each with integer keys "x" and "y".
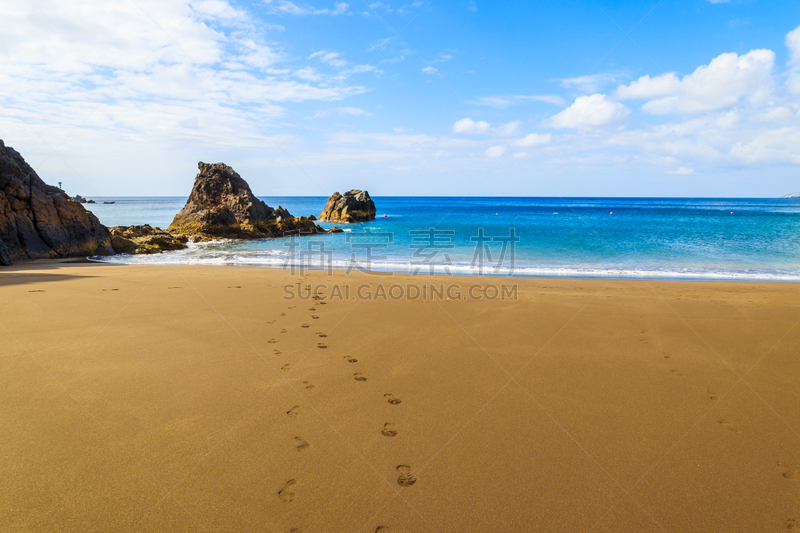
{"x": 79, "y": 198}
{"x": 352, "y": 206}
{"x": 40, "y": 221}
{"x": 222, "y": 205}
{"x": 144, "y": 240}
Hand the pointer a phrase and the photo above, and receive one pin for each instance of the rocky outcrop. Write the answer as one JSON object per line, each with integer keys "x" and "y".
{"x": 222, "y": 205}
{"x": 352, "y": 206}
{"x": 144, "y": 240}
{"x": 40, "y": 221}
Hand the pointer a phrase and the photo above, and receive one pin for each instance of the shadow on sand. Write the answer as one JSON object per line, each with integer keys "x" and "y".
{"x": 39, "y": 271}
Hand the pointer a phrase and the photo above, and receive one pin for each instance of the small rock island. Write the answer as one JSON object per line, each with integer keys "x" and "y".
{"x": 352, "y": 206}
{"x": 222, "y": 205}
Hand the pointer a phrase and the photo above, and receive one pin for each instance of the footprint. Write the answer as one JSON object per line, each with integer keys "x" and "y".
{"x": 323, "y": 335}
{"x": 306, "y": 326}
{"x": 284, "y": 330}
{"x": 283, "y": 314}
{"x": 272, "y": 341}
{"x": 301, "y": 444}
{"x": 382, "y": 529}
{"x": 392, "y": 399}
{"x": 312, "y": 308}
{"x": 727, "y": 425}
{"x": 388, "y": 430}
{"x": 315, "y": 317}
{"x": 790, "y": 473}
{"x": 359, "y": 377}
{"x": 793, "y": 523}
{"x": 43, "y": 291}
{"x": 294, "y": 411}
{"x": 712, "y": 395}
{"x": 284, "y": 493}
{"x": 235, "y": 287}
{"x": 287, "y": 366}
{"x": 308, "y": 384}
{"x": 292, "y": 307}
{"x": 406, "y": 478}
{"x": 321, "y": 345}
{"x": 104, "y": 290}
{"x": 278, "y": 352}
{"x": 351, "y": 359}
{"x": 167, "y": 287}
{"x": 322, "y": 303}
{"x": 271, "y": 321}
{"x": 295, "y": 530}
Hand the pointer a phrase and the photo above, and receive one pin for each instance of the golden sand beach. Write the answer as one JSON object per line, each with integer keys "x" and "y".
{"x": 161, "y": 398}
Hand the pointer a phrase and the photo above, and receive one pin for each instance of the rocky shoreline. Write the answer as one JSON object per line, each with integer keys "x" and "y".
{"x": 41, "y": 221}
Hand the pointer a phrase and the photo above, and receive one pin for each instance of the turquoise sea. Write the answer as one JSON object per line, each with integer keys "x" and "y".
{"x": 648, "y": 238}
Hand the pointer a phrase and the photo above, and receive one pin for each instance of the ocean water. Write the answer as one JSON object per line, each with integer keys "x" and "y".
{"x": 645, "y": 238}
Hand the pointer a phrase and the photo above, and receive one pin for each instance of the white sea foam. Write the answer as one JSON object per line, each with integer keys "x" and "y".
{"x": 210, "y": 254}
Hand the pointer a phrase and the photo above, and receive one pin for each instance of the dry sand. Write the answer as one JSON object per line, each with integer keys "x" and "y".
{"x": 152, "y": 398}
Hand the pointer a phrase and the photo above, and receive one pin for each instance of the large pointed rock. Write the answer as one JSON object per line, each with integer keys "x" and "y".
{"x": 40, "y": 221}
{"x": 352, "y": 206}
{"x": 222, "y": 205}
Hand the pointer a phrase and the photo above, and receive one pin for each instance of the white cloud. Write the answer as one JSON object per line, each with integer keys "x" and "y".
{"x": 216, "y": 82}
{"x": 506, "y": 130}
{"x": 534, "y": 139}
{"x": 681, "y": 171}
{"x": 590, "y": 83}
{"x": 502, "y": 102}
{"x": 430, "y": 70}
{"x": 495, "y": 151}
{"x": 793, "y": 44}
{"x": 469, "y": 126}
{"x": 589, "y": 112}
{"x": 286, "y": 7}
{"x": 722, "y": 83}
{"x": 352, "y": 111}
{"x": 380, "y": 43}
{"x": 331, "y": 58}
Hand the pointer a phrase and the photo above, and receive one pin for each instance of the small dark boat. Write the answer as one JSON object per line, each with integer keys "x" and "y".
{"x": 109, "y": 202}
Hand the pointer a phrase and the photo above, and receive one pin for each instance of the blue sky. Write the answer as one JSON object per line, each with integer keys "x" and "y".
{"x": 579, "y": 98}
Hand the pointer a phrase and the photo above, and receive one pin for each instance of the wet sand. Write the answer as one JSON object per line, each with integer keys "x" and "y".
{"x": 152, "y": 398}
